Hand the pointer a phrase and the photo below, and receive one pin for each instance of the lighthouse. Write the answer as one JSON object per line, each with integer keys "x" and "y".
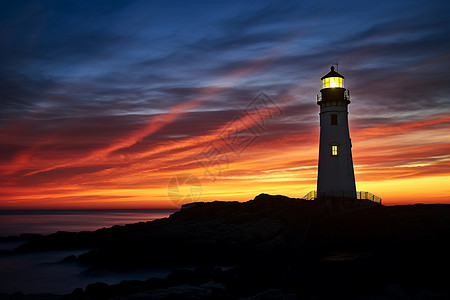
{"x": 335, "y": 178}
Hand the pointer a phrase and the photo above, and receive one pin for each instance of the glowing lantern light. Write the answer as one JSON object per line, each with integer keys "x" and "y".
{"x": 332, "y": 82}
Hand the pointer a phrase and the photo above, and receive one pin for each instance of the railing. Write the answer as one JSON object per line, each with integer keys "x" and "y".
{"x": 368, "y": 196}
{"x": 310, "y": 196}
{"x": 360, "y": 195}
{"x": 347, "y": 95}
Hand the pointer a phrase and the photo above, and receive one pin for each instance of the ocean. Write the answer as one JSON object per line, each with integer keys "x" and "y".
{"x": 16, "y": 222}
{"x": 42, "y": 272}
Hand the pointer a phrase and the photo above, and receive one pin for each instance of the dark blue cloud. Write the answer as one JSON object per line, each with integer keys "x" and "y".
{"x": 77, "y": 58}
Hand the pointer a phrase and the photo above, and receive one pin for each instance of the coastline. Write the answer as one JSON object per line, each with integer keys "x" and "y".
{"x": 272, "y": 244}
{"x": 46, "y": 221}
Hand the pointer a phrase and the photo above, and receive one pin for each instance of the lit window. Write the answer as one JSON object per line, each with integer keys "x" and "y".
{"x": 331, "y": 82}
{"x": 334, "y": 150}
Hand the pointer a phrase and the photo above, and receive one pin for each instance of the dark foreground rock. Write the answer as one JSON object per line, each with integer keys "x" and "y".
{"x": 272, "y": 247}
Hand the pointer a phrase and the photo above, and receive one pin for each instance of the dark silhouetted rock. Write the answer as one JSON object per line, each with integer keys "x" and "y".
{"x": 271, "y": 294}
{"x": 98, "y": 290}
{"x": 176, "y": 292}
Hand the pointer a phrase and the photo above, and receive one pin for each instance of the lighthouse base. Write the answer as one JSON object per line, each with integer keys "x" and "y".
{"x": 337, "y": 194}
{"x": 335, "y": 206}
{"x": 342, "y": 195}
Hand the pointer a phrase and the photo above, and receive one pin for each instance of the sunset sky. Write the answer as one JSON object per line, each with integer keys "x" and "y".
{"x": 104, "y": 104}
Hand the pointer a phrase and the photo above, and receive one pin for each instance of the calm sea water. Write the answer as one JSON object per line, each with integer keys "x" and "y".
{"x": 41, "y": 272}
{"x": 15, "y": 222}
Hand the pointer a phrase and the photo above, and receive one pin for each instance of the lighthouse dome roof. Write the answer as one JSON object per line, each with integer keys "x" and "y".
{"x": 332, "y": 73}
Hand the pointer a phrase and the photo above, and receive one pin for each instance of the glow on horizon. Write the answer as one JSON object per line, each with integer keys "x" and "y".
{"x": 288, "y": 168}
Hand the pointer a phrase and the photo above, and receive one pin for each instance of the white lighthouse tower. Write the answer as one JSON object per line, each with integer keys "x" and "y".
{"x": 336, "y": 177}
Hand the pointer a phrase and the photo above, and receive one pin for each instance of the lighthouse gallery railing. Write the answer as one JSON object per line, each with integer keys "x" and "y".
{"x": 361, "y": 195}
